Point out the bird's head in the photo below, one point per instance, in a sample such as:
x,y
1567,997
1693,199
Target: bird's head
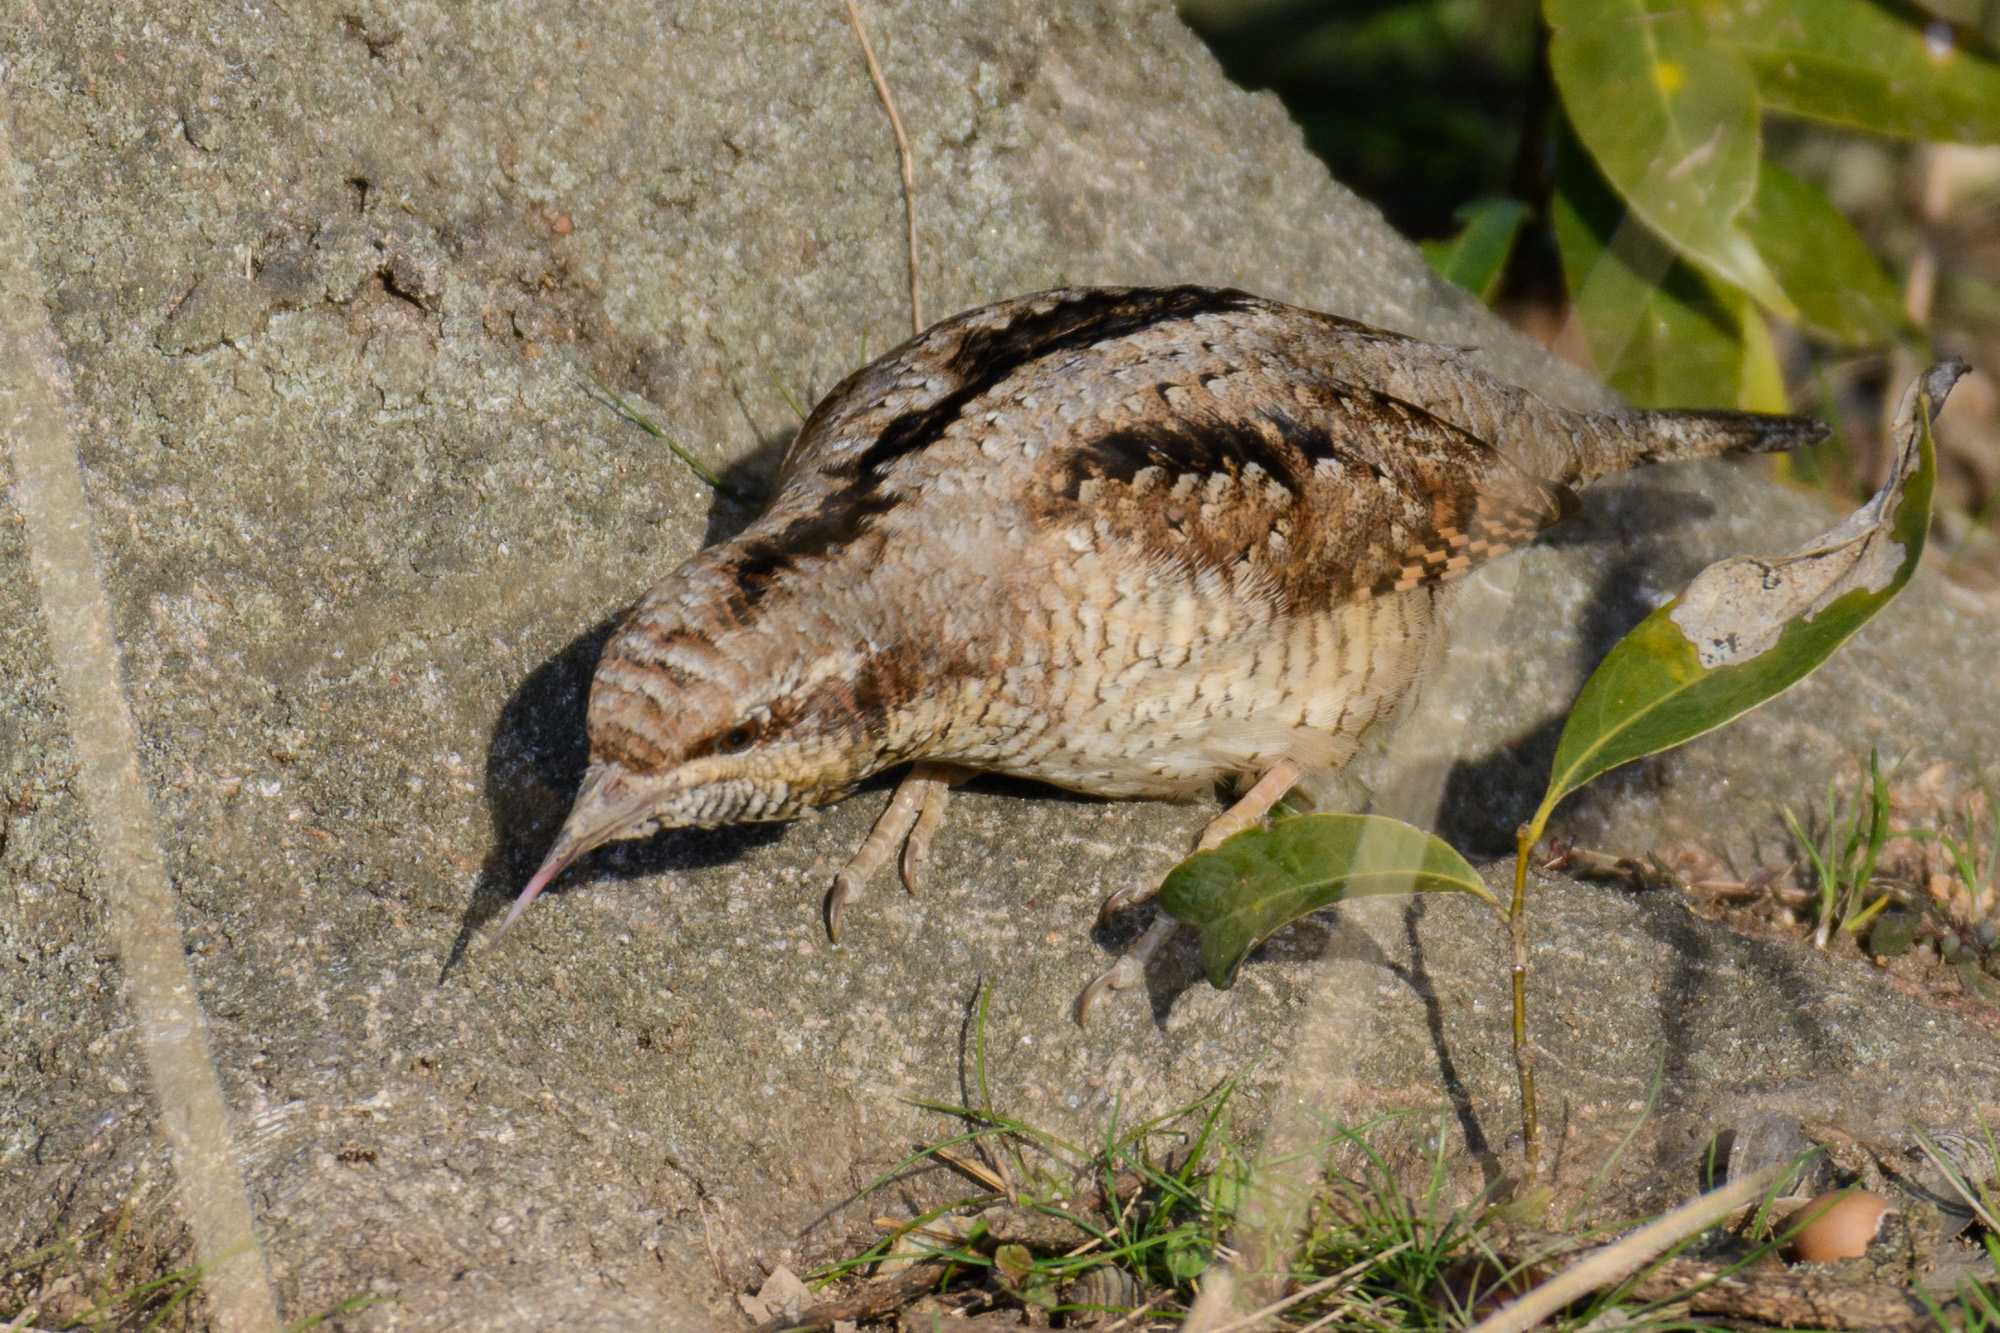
x,y
703,713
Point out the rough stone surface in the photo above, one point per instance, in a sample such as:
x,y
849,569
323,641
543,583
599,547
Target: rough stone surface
x,y
332,288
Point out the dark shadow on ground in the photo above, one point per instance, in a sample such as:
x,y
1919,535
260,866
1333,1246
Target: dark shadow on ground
x,y
747,486
535,761
1689,995
1418,978
539,749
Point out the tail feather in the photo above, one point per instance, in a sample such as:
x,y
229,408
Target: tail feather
x,y
1637,438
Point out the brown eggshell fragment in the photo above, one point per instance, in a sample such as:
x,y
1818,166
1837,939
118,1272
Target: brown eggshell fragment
x,y
1843,1224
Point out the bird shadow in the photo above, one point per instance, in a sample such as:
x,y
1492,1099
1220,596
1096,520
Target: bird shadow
x,y
539,749
1177,966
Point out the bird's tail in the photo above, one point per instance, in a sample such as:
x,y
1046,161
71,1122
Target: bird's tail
x,y
1629,439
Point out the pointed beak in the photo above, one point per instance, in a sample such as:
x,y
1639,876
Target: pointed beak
x,y
606,805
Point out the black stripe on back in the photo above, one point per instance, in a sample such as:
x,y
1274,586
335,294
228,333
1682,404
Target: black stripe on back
x,y
1209,444
839,521
1203,446
989,356
983,360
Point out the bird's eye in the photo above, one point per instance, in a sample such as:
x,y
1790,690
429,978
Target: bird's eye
x,y
736,740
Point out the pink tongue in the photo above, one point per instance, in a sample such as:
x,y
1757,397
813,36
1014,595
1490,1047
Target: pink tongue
x,y
558,859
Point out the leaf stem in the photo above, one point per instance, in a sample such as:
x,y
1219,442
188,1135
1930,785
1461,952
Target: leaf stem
x,y
1524,1055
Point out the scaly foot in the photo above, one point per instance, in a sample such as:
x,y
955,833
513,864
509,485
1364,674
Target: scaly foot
x,y
913,815
1128,971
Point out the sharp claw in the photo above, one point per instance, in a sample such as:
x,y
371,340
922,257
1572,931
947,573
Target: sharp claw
x,y
838,897
1128,971
1121,900
914,857
1121,975
912,816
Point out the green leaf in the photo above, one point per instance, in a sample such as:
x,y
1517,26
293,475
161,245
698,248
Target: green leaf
x,y
1016,1263
1894,932
1476,257
1670,116
1237,894
1747,629
1187,1257
1967,13
1876,65
1657,330
1830,273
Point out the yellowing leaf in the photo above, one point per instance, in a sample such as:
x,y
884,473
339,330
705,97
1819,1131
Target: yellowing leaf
x,y
1761,383
1747,628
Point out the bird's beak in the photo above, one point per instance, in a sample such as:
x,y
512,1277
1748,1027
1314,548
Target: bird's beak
x,y
606,805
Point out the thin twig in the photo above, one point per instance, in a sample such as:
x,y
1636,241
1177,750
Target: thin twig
x,y
1619,1260
902,151
979,1171
1749,1297
1306,1293
1132,1317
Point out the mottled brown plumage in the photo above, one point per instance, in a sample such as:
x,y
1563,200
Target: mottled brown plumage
x,y
1130,542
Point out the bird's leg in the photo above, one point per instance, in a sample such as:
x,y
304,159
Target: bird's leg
x,y
1252,806
941,778
1130,969
913,815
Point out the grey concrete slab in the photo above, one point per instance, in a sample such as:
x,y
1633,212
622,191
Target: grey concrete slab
x,y
332,289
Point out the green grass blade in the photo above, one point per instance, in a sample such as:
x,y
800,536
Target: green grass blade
x,y
1842,292
700,469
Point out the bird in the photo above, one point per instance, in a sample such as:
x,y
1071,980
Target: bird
x,y
1132,542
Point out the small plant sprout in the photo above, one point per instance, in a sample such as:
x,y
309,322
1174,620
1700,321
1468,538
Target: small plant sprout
x,y
1844,855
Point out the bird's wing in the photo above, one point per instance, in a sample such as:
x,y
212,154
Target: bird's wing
x,y
1332,492
908,399
1198,425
